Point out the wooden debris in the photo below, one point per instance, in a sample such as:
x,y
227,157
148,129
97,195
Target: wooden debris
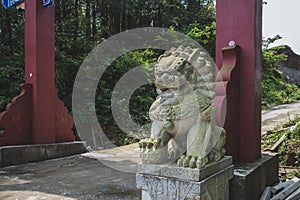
x,y
288,190
274,147
281,186
295,195
287,169
266,194
273,131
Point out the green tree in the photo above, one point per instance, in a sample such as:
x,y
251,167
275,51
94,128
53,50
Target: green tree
x,y
81,25
11,54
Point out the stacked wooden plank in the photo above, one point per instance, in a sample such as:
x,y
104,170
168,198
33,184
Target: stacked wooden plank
x,y
288,190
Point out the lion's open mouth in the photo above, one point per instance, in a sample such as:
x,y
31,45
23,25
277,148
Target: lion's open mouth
x,y
165,88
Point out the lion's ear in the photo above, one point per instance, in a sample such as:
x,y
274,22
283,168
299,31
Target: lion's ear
x,y
193,58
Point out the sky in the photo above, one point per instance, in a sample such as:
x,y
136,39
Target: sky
x,y
283,17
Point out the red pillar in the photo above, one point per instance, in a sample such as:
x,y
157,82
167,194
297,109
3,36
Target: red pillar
x,y
37,116
39,68
241,21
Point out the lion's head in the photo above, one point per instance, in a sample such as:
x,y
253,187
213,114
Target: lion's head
x,y
184,67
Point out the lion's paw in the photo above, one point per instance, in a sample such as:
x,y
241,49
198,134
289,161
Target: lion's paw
x,y
152,151
202,162
192,161
149,144
184,161
180,161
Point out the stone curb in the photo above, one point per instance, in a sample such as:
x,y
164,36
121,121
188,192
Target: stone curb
x,y
21,154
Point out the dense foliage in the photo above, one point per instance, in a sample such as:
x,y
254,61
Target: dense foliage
x,y
11,54
81,25
275,90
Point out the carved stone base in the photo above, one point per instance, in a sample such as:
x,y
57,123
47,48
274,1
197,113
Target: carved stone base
x,y
176,183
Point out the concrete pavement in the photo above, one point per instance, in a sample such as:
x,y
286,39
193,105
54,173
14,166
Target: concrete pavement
x,y
77,177
277,115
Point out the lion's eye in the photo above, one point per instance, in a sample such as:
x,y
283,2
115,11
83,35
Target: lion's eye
x,y
171,78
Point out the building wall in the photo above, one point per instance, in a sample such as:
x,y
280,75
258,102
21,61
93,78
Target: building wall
x,y
291,75
291,67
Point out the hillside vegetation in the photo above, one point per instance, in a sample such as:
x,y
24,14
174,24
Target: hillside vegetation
x,y
275,90
285,138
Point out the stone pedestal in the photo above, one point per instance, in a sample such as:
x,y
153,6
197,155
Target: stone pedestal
x,y
175,183
251,178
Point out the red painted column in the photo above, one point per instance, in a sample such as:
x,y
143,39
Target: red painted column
x,y
39,68
241,21
37,116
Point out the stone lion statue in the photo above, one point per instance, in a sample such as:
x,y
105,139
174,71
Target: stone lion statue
x,y
183,125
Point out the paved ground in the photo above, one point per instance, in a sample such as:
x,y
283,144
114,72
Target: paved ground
x,y
278,115
80,177
98,175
